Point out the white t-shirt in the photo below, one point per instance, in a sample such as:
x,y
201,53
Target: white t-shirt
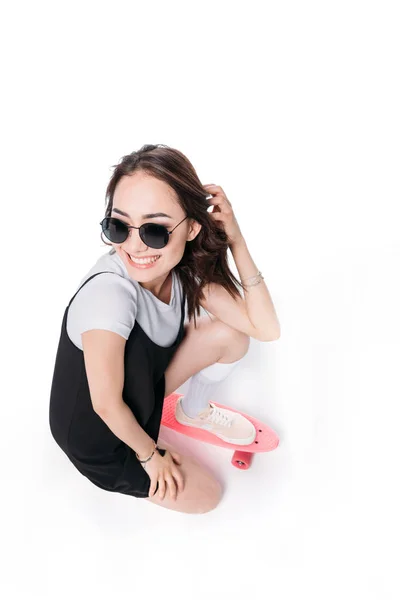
x,y
114,303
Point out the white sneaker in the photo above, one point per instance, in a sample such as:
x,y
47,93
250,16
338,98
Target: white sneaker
x,y
226,424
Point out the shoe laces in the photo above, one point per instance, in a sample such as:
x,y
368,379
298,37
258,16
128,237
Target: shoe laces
x,y
217,416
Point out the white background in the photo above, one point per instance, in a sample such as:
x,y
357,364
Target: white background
x,y
293,108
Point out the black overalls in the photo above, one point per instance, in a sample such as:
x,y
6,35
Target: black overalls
x,y
79,431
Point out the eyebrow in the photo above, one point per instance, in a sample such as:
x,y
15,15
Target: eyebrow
x,y
148,216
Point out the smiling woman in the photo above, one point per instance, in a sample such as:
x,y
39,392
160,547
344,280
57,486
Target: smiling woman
x,y
164,181
124,325
153,234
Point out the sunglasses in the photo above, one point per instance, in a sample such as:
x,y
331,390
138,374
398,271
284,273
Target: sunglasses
x,y
152,234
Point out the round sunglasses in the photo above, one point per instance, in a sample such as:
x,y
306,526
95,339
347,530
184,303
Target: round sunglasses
x,y
152,234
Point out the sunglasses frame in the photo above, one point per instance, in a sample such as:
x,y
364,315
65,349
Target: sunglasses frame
x,y
141,230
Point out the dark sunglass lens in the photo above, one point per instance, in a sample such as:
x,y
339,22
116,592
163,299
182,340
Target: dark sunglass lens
x,y
154,236
114,230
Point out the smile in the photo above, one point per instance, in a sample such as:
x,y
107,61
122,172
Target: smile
x,y
142,262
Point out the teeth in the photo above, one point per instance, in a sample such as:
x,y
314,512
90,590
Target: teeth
x,y
144,261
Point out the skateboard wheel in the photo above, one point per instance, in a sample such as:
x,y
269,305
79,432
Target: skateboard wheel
x,y
242,460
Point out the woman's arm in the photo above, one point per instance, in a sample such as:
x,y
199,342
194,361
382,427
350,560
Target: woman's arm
x,y
260,308
104,362
255,313
122,422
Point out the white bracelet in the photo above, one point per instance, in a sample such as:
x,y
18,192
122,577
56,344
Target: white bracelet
x,y
254,276
259,279
246,285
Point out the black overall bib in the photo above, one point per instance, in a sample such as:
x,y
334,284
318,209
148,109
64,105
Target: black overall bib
x,y
79,431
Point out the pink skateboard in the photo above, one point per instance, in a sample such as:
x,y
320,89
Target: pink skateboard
x,y
265,441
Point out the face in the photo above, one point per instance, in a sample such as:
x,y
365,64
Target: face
x,y
136,196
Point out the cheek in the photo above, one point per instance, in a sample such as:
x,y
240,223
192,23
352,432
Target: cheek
x,y
174,245
172,255
178,250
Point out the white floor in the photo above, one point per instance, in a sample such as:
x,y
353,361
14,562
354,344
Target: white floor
x,y
318,515
292,108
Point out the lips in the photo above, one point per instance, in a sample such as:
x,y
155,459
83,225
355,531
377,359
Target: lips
x,y
142,257
142,265
147,261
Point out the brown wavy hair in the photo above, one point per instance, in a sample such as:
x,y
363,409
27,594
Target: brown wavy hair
x,y
205,257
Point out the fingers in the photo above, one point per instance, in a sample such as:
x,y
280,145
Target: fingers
x,y
177,458
179,479
172,482
171,486
161,487
153,485
169,479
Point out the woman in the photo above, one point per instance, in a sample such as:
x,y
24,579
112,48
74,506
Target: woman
x,y
124,343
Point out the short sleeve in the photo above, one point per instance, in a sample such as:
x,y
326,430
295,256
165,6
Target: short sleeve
x,y
108,301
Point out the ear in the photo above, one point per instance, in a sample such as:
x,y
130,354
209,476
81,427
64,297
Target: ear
x,y
194,230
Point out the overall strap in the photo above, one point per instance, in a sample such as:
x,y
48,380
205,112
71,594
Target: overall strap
x,y
183,307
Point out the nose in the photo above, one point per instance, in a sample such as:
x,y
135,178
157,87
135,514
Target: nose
x,y
134,243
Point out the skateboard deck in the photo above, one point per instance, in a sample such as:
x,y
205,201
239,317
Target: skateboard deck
x,y
266,439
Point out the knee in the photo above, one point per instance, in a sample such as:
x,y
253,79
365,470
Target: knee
x,y
211,497
237,341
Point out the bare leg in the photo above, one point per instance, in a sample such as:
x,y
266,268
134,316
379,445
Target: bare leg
x,y
212,341
201,493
